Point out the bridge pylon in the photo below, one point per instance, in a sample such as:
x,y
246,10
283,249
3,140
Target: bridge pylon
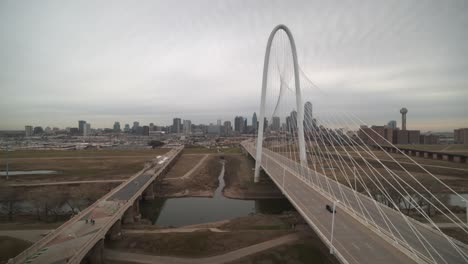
x,y
299,105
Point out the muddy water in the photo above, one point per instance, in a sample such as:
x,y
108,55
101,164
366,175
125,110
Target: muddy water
x,y
194,210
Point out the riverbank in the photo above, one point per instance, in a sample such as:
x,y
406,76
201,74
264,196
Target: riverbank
x,y
239,178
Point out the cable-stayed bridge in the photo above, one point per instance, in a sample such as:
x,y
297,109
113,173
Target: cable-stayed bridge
x,y
324,161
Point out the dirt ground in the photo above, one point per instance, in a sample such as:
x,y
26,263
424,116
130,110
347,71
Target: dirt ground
x,y
202,182
240,232
309,249
184,164
10,247
239,179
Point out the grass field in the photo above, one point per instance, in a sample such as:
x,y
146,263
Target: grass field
x,y
79,165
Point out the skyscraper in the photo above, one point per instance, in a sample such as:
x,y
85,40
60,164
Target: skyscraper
x,y
187,127
116,126
254,121
275,126
135,127
28,131
227,128
294,120
81,125
308,119
86,129
176,125
239,124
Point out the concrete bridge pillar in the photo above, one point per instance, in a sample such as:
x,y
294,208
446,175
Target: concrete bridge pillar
x,y
136,210
434,156
115,231
426,155
96,255
148,194
129,216
445,157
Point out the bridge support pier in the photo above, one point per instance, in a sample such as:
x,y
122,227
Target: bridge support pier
x,y
96,255
133,213
148,194
115,231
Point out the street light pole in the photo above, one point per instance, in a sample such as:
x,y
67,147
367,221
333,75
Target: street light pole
x,y
333,227
6,160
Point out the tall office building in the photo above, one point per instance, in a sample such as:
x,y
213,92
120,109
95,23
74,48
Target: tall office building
x,y
218,122
81,125
308,118
276,123
293,120
28,131
239,124
392,124
87,129
145,130
135,127
127,128
227,128
254,121
176,125
187,127
116,126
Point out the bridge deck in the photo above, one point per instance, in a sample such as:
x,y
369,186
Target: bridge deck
x,y
71,241
355,240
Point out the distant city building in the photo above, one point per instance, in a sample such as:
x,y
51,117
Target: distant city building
x,y
218,122
135,127
460,136
214,130
116,126
376,135
127,128
429,139
74,131
145,131
38,131
87,130
392,124
152,127
239,124
227,127
275,123
293,121
288,126
254,121
265,124
187,127
308,118
28,131
81,125
176,125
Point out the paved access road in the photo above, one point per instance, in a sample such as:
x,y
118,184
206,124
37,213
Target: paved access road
x,y
353,239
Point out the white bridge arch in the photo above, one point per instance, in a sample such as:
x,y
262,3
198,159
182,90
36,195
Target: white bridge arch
x,y
299,105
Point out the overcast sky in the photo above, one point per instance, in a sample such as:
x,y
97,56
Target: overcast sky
x,y
150,61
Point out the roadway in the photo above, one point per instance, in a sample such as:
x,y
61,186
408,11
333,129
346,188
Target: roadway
x,y
356,240
71,241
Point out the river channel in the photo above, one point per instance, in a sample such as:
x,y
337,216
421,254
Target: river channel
x,y
197,210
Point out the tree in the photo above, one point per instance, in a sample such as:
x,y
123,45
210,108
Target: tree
x,y
155,143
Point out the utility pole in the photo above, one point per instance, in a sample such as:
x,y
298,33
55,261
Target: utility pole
x,y
333,227
6,160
